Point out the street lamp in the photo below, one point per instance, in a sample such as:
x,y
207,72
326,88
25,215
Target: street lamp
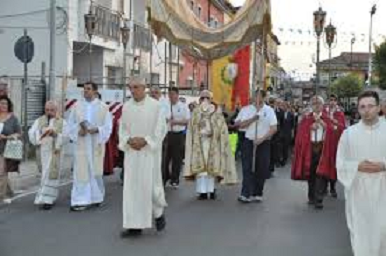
x,y
125,36
90,22
372,12
331,42
352,46
319,21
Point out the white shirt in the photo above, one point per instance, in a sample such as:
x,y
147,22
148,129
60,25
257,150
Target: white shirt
x,y
267,118
165,107
318,135
179,112
245,113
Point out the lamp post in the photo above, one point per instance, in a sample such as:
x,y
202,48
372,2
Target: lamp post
x,y
90,21
352,46
331,42
372,12
125,36
319,21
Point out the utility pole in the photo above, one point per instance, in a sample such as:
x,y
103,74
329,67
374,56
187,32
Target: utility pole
x,y
51,86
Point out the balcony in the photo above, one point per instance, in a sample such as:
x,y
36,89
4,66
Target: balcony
x,y
108,23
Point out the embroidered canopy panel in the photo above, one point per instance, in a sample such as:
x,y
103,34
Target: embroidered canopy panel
x,y
177,23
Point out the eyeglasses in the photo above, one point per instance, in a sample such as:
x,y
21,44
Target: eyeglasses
x,y
364,107
205,98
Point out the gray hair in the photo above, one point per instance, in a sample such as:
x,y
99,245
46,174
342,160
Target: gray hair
x,y
52,103
318,98
139,79
155,88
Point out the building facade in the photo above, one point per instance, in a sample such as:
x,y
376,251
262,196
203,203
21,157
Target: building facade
x,y
196,73
346,63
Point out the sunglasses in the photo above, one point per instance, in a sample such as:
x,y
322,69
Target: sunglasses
x,y
205,98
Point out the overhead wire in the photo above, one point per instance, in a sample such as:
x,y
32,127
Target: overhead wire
x,y
23,14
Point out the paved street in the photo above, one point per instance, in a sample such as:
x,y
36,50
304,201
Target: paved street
x,y
281,225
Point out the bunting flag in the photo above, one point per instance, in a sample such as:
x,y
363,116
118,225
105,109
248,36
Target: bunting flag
x,y
346,34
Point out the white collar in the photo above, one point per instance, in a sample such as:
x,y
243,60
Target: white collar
x,y
372,127
317,115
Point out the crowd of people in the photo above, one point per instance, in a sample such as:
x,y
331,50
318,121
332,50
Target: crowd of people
x,y
162,140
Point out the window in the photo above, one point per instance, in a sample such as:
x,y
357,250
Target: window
x,y
174,55
113,76
189,82
199,9
211,22
192,5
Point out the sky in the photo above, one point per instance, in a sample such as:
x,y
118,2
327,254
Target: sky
x,y
298,48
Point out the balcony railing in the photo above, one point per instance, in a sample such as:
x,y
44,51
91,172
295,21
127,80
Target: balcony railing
x,y
108,23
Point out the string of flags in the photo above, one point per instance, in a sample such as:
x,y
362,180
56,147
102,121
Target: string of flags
x,y
305,37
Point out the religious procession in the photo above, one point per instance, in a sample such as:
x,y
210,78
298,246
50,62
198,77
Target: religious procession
x,y
190,132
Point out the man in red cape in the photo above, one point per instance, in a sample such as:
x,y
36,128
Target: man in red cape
x,y
112,153
313,152
339,124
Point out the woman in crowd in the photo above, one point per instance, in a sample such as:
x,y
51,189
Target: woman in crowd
x,y
9,129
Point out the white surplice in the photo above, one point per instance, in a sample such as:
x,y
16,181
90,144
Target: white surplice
x,y
143,192
88,187
204,182
365,193
48,191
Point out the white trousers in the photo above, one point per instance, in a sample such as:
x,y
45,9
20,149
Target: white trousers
x,y
204,183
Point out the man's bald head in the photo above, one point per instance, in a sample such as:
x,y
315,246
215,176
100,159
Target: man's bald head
x,y
51,109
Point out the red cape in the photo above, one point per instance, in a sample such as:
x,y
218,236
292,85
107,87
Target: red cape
x,y
112,153
301,163
337,133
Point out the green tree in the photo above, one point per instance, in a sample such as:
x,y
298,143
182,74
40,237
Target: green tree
x,y
348,86
380,64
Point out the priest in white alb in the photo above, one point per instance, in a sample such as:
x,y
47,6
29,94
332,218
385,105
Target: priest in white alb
x,y
90,127
142,131
47,135
361,167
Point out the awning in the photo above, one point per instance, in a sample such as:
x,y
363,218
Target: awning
x,y
177,23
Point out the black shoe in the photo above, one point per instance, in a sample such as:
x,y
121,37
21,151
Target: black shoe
x,y
78,208
311,202
46,207
160,223
333,193
97,205
213,196
318,204
202,196
131,233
